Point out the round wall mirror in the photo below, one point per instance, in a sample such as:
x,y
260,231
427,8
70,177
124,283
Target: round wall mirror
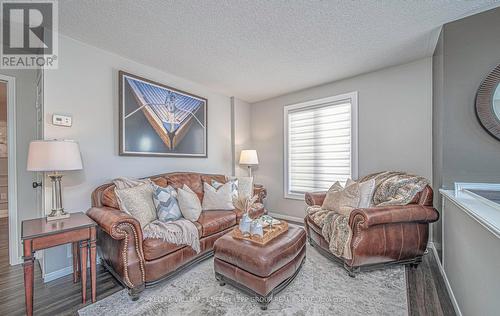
x,y
496,102
488,103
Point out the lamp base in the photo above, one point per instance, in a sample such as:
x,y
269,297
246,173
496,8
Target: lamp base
x,y
57,214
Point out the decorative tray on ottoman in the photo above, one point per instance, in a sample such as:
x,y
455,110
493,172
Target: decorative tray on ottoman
x,y
270,232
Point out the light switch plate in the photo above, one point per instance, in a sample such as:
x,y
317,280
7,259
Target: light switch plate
x,y
62,120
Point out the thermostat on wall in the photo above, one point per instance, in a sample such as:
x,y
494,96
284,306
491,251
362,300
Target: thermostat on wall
x,y
61,120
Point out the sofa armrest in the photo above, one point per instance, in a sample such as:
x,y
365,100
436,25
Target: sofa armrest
x,y
367,217
315,198
124,232
110,219
260,191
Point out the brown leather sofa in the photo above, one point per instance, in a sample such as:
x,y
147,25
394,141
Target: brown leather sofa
x,y
138,262
381,235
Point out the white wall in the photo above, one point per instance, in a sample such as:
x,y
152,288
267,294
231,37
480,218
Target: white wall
x,y
471,257
86,87
395,119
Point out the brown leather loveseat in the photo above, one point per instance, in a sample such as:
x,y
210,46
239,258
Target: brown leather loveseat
x,y
381,235
138,262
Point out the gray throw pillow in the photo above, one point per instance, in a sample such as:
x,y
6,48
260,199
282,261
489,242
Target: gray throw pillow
x,y
165,200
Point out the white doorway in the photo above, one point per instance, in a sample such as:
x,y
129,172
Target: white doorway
x,y
14,255
4,175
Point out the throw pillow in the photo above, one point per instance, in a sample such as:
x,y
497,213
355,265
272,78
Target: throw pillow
x,y
342,201
245,187
366,190
329,198
165,201
138,202
217,199
189,203
349,182
124,182
234,186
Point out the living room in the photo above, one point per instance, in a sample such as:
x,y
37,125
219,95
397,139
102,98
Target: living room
x,y
215,157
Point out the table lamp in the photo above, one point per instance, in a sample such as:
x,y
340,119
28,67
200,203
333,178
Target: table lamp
x,y
54,156
249,158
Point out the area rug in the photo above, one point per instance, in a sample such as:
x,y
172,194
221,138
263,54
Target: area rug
x,y
321,288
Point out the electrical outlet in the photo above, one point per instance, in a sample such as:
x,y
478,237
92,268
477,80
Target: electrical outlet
x,y
3,196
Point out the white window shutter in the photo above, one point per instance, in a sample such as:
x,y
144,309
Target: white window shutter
x,y
319,145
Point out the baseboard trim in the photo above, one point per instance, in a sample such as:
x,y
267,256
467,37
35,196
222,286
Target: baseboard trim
x,y
51,276
287,217
445,278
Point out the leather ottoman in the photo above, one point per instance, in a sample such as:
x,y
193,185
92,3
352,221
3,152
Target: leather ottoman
x,y
261,271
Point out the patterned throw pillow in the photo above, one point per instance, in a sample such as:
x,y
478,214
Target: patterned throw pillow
x,y
138,202
165,200
234,186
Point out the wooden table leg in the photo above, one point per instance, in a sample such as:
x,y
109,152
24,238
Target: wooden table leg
x,y
83,268
93,263
76,261
28,266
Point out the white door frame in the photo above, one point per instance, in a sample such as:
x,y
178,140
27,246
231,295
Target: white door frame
x,y
14,239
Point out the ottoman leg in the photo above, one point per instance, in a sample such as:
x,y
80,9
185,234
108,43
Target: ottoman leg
x,y
265,300
220,278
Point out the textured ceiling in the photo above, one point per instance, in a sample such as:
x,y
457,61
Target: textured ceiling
x,y
258,49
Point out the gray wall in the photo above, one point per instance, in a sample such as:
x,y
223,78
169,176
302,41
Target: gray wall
x,y
86,87
394,121
468,49
242,133
437,136
26,131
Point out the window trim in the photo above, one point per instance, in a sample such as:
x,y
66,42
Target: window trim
x,y
353,98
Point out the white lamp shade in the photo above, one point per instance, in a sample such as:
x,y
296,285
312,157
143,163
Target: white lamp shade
x,y
249,157
54,155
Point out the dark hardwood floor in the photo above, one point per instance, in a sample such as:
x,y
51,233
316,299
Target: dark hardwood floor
x,y
427,293
59,297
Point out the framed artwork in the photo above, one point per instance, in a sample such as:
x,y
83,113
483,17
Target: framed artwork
x,y
158,120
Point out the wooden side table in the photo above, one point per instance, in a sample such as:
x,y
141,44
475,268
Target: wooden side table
x,y
38,234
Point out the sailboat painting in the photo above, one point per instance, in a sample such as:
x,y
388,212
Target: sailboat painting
x,y
157,120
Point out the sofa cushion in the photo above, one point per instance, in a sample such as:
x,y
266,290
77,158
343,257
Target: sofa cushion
x,y
109,197
192,180
155,248
208,178
215,221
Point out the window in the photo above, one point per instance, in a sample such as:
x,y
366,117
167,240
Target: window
x,y
320,144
